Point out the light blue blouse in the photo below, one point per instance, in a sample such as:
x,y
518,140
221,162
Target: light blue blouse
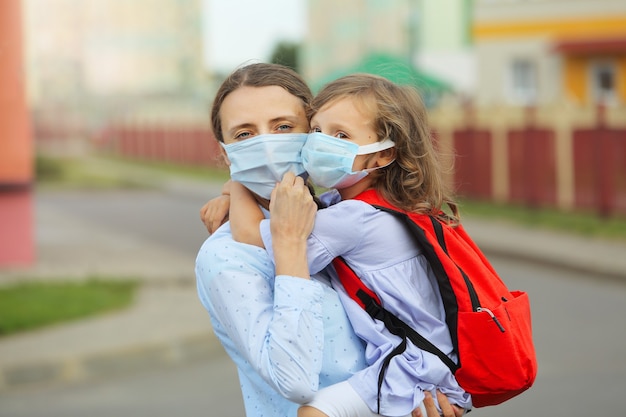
x,y
381,251
288,336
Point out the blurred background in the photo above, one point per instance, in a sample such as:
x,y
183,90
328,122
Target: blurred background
x,y
528,95
111,98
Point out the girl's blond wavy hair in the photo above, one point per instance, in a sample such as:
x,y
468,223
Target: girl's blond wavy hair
x,y
414,181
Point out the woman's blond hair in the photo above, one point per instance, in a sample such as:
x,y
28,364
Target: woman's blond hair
x,y
414,181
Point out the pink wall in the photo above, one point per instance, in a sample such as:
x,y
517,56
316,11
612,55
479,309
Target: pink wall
x,y
16,146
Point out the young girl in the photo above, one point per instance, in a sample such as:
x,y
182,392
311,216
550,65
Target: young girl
x,y
370,134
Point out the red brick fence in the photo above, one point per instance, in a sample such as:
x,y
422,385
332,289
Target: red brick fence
x,y
568,158
571,158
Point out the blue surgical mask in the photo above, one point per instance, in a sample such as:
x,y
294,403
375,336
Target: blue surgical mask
x,y
329,160
259,162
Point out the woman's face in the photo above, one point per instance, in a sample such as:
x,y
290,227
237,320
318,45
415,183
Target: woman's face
x,y
251,111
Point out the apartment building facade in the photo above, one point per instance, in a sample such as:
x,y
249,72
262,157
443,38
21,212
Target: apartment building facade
x,y
547,51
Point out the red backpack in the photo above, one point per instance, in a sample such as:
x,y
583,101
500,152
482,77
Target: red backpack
x,y
490,326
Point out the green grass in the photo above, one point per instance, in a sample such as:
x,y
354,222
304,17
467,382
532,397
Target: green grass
x,y
201,173
79,173
110,173
32,305
576,222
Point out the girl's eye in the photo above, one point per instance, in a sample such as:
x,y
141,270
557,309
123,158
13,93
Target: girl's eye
x,y
341,135
316,130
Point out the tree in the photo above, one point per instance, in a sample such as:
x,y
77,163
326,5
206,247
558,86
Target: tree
x,y
286,53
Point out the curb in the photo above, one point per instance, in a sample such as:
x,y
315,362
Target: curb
x,y
606,272
107,364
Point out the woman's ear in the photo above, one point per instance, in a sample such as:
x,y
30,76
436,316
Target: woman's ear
x,y
224,156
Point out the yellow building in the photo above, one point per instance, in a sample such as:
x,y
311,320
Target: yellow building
x,y
546,51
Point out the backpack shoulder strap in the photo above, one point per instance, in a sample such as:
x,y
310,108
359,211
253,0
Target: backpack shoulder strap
x,y
368,300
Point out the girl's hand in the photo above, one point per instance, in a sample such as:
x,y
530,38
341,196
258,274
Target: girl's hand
x,y
215,212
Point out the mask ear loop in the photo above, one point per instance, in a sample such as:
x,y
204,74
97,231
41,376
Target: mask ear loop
x,y
376,147
382,145
368,170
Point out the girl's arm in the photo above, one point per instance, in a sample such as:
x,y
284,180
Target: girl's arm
x,y
215,212
293,224
245,216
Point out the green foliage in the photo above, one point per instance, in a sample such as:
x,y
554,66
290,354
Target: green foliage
x,y
31,305
286,53
576,222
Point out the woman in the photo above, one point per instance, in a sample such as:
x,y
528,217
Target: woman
x,y
286,332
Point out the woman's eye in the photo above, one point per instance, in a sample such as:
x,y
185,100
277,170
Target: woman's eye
x,y
243,135
341,135
316,130
283,128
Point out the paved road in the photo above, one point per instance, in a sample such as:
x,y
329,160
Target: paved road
x,y
152,235
169,219
201,389
578,325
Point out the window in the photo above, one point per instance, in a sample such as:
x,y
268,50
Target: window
x,y
603,82
523,81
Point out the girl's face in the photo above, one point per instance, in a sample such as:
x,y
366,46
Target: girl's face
x,y
352,120
347,118
251,111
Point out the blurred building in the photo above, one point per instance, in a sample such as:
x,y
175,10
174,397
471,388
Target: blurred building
x,y
434,36
112,56
546,51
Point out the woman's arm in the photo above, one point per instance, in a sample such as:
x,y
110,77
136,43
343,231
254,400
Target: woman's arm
x,y
273,324
269,325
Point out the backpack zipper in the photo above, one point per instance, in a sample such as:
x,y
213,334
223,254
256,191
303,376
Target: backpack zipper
x,y
493,316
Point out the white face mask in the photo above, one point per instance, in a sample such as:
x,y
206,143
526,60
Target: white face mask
x,y
329,160
259,162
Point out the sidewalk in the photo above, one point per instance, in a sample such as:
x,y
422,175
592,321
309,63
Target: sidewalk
x,y
167,324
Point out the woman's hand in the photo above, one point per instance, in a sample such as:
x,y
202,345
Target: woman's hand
x,y
448,410
292,216
292,209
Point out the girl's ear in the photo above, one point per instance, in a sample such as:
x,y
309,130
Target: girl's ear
x,y
384,158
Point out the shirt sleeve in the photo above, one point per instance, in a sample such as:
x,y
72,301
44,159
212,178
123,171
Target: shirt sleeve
x,y
336,232
274,323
